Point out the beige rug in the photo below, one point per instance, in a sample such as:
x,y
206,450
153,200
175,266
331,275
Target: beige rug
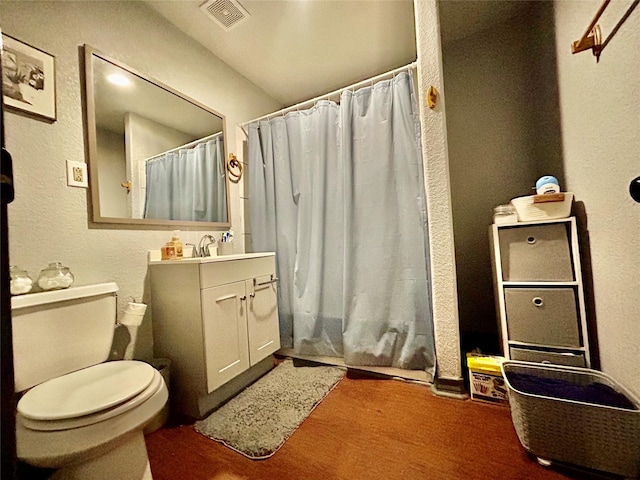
x,y
258,420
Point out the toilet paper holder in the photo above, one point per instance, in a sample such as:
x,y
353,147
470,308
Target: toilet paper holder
x,y
133,314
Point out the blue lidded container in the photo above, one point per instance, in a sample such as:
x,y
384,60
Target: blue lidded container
x,y
547,184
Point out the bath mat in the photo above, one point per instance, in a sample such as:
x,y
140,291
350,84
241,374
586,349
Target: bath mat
x,y
258,420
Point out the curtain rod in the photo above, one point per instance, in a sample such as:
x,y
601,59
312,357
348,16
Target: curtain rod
x,y
329,95
186,145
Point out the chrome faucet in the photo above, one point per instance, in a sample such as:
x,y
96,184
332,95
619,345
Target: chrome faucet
x,y
203,245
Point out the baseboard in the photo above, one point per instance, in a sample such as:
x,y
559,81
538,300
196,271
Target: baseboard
x,y
449,387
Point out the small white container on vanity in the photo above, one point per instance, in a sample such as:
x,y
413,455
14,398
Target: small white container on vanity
x,y
216,319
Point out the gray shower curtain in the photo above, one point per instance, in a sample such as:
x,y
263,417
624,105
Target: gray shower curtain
x,y
337,192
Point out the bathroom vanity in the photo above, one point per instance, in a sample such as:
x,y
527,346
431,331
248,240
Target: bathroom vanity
x,y
216,319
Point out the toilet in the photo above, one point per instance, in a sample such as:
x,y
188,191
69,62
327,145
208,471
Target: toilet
x,y
78,413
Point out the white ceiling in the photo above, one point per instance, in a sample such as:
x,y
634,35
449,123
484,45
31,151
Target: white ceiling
x,y
300,49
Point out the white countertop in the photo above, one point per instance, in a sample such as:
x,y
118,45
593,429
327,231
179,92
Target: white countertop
x,y
154,258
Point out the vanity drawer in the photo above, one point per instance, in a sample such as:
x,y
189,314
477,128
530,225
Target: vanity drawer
x,y
221,272
542,316
535,253
541,356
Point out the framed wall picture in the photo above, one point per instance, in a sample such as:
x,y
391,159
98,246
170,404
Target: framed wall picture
x,y
28,79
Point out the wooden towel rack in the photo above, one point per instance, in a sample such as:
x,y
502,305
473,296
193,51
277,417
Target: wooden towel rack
x,y
592,37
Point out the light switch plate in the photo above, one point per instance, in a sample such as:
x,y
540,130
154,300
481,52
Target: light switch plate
x,y
77,174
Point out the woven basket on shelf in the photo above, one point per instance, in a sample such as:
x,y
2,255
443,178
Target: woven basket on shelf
x,y
588,435
528,211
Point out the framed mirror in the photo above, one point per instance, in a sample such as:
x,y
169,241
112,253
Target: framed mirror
x,y
156,156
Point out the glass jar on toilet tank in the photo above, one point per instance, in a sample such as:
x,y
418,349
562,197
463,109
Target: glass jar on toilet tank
x,y
21,282
55,277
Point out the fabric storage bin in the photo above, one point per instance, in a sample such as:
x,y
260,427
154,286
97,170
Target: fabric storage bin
x,y
583,417
544,356
542,316
535,253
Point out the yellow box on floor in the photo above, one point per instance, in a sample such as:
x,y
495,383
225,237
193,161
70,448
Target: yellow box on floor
x,y
485,379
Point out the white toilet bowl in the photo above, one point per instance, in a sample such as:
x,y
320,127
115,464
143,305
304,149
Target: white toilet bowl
x,y
86,424
104,444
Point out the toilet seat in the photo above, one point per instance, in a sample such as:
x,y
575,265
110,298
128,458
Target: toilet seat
x,y
88,396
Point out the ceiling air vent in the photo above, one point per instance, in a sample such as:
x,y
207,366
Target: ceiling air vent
x,y
226,13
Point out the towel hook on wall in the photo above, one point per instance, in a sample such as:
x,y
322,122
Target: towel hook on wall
x,y
234,167
432,97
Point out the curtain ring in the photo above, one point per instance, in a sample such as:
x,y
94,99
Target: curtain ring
x,y
234,167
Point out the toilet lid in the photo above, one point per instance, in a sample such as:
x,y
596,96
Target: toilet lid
x,y
70,423
86,391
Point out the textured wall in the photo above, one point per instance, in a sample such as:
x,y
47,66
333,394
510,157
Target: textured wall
x,y
49,221
435,157
600,111
146,138
503,134
112,171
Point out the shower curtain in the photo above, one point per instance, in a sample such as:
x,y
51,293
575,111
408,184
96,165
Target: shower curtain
x,y
337,192
188,184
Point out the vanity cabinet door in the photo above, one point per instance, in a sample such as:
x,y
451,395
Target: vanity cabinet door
x,y
225,333
262,317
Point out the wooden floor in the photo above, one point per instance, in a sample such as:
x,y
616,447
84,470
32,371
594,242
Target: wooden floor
x,y
368,428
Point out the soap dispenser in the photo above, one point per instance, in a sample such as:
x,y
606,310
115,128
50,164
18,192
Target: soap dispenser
x,y
177,243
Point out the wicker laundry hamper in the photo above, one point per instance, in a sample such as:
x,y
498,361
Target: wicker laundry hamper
x,y
599,437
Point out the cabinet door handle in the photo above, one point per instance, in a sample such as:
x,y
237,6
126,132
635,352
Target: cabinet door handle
x,y
226,297
268,282
243,297
252,294
537,301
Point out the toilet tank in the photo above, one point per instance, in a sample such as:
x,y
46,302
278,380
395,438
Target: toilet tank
x,y
61,331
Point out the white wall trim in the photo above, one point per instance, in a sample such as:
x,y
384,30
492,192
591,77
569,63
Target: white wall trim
x,y
438,191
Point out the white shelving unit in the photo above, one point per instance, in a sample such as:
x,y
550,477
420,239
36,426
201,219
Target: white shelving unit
x,y
539,292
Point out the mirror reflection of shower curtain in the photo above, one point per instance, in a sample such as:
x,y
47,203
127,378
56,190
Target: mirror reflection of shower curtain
x,y
337,192
188,184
